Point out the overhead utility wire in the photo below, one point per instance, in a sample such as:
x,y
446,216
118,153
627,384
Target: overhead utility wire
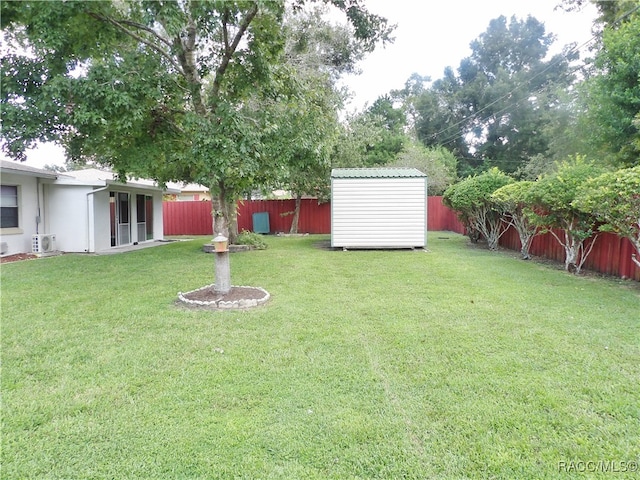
x,y
577,48
457,134
508,94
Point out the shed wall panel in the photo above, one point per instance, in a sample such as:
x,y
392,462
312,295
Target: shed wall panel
x,y
378,212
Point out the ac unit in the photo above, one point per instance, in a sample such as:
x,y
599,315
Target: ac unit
x,y
42,243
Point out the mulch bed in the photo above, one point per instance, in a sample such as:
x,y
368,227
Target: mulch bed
x,y
17,257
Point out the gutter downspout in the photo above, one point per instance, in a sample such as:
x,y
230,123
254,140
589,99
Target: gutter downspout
x,y
92,192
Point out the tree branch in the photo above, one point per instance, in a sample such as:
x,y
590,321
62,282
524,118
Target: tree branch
x,y
225,30
134,35
150,30
229,51
186,52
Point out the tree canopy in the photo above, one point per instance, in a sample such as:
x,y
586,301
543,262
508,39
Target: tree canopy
x,y
164,89
493,110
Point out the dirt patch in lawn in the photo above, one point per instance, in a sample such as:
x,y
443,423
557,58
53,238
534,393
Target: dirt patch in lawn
x,y
237,297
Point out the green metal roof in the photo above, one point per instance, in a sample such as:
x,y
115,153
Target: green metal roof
x,y
388,172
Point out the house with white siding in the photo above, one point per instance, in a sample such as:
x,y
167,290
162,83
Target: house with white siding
x,y
80,211
378,208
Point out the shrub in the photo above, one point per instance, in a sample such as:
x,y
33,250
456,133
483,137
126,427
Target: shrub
x,y
550,200
614,198
251,238
471,198
511,200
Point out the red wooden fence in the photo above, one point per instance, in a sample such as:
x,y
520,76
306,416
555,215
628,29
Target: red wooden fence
x,y
314,217
610,255
194,218
187,218
442,218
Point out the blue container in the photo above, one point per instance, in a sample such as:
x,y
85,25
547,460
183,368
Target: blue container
x,y
261,222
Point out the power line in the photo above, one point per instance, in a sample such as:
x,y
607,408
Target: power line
x,y
508,107
511,92
460,132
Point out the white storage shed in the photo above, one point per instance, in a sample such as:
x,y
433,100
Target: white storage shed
x,y
378,208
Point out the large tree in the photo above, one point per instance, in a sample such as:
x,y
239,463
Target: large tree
x,y
493,110
611,95
438,163
164,89
317,53
357,135
392,136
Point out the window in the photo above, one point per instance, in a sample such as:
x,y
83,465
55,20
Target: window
x,y
9,206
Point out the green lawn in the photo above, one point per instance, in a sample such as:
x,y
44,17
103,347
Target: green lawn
x,y
452,363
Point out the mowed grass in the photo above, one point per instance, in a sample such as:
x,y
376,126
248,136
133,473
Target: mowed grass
x,y
452,363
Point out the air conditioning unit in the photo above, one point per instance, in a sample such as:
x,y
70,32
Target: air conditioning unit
x,y
42,243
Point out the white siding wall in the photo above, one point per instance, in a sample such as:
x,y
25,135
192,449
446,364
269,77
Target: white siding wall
x,y
67,211
19,239
67,216
378,212
101,221
158,221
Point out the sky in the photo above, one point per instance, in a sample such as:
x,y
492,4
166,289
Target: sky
x,y
430,35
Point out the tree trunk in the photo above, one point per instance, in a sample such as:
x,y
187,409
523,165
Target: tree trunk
x,y
576,250
219,210
525,243
222,273
526,232
493,234
232,219
571,259
296,216
224,212
636,243
490,224
473,234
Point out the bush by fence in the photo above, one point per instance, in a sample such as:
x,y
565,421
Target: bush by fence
x,y
611,254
